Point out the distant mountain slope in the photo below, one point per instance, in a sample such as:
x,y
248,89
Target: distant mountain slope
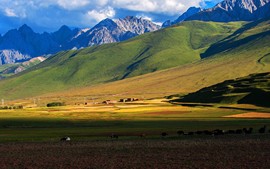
x,y
150,52
12,56
235,10
239,61
22,44
250,32
117,30
19,45
252,89
191,11
14,68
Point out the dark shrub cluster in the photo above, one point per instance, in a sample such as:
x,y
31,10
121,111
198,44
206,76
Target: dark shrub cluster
x,y
54,104
172,96
11,107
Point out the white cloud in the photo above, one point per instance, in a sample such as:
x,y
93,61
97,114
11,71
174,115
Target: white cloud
x,y
170,7
99,15
73,4
102,2
10,12
149,18
51,14
158,23
144,17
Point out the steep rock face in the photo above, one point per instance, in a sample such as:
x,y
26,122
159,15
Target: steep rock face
x,y
12,56
234,10
109,31
64,35
21,44
14,68
191,11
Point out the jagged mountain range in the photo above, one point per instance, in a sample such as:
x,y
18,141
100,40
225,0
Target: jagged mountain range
x,y
232,50
22,44
191,11
11,69
235,10
109,31
227,11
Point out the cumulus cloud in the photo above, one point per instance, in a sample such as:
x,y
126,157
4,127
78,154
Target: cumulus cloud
x,y
144,17
99,15
155,6
170,7
10,12
72,4
86,13
148,18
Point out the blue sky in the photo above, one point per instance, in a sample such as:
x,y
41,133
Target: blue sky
x,y
50,15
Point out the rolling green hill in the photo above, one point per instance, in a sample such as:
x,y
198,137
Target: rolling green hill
x,y
252,89
167,48
11,69
248,58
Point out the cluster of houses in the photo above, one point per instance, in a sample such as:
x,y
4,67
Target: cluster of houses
x,y
124,100
128,100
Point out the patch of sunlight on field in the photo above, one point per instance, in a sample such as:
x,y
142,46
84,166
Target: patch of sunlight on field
x,y
150,110
250,115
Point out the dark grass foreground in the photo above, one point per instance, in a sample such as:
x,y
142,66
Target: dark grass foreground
x,y
211,152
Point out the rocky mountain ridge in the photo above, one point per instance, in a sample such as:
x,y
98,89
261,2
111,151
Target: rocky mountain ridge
x,y
191,11
22,44
235,10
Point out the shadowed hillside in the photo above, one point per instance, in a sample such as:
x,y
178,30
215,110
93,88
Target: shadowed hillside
x,y
248,33
148,53
248,58
11,69
253,89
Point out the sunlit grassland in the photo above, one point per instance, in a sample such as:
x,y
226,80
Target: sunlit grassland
x,y
99,121
166,48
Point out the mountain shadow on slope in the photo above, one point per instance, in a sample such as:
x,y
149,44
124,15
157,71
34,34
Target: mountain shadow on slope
x,y
233,41
253,89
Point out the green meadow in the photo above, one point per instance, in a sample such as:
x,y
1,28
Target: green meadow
x,y
126,120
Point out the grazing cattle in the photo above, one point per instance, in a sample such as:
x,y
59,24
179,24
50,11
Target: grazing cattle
x,y
142,135
238,131
206,132
180,132
114,136
217,132
199,132
231,132
190,133
262,130
247,131
225,131
250,130
65,139
164,134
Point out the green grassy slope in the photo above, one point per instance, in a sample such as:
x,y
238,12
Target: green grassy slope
x,y
240,61
10,69
148,53
245,36
253,89
3,68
